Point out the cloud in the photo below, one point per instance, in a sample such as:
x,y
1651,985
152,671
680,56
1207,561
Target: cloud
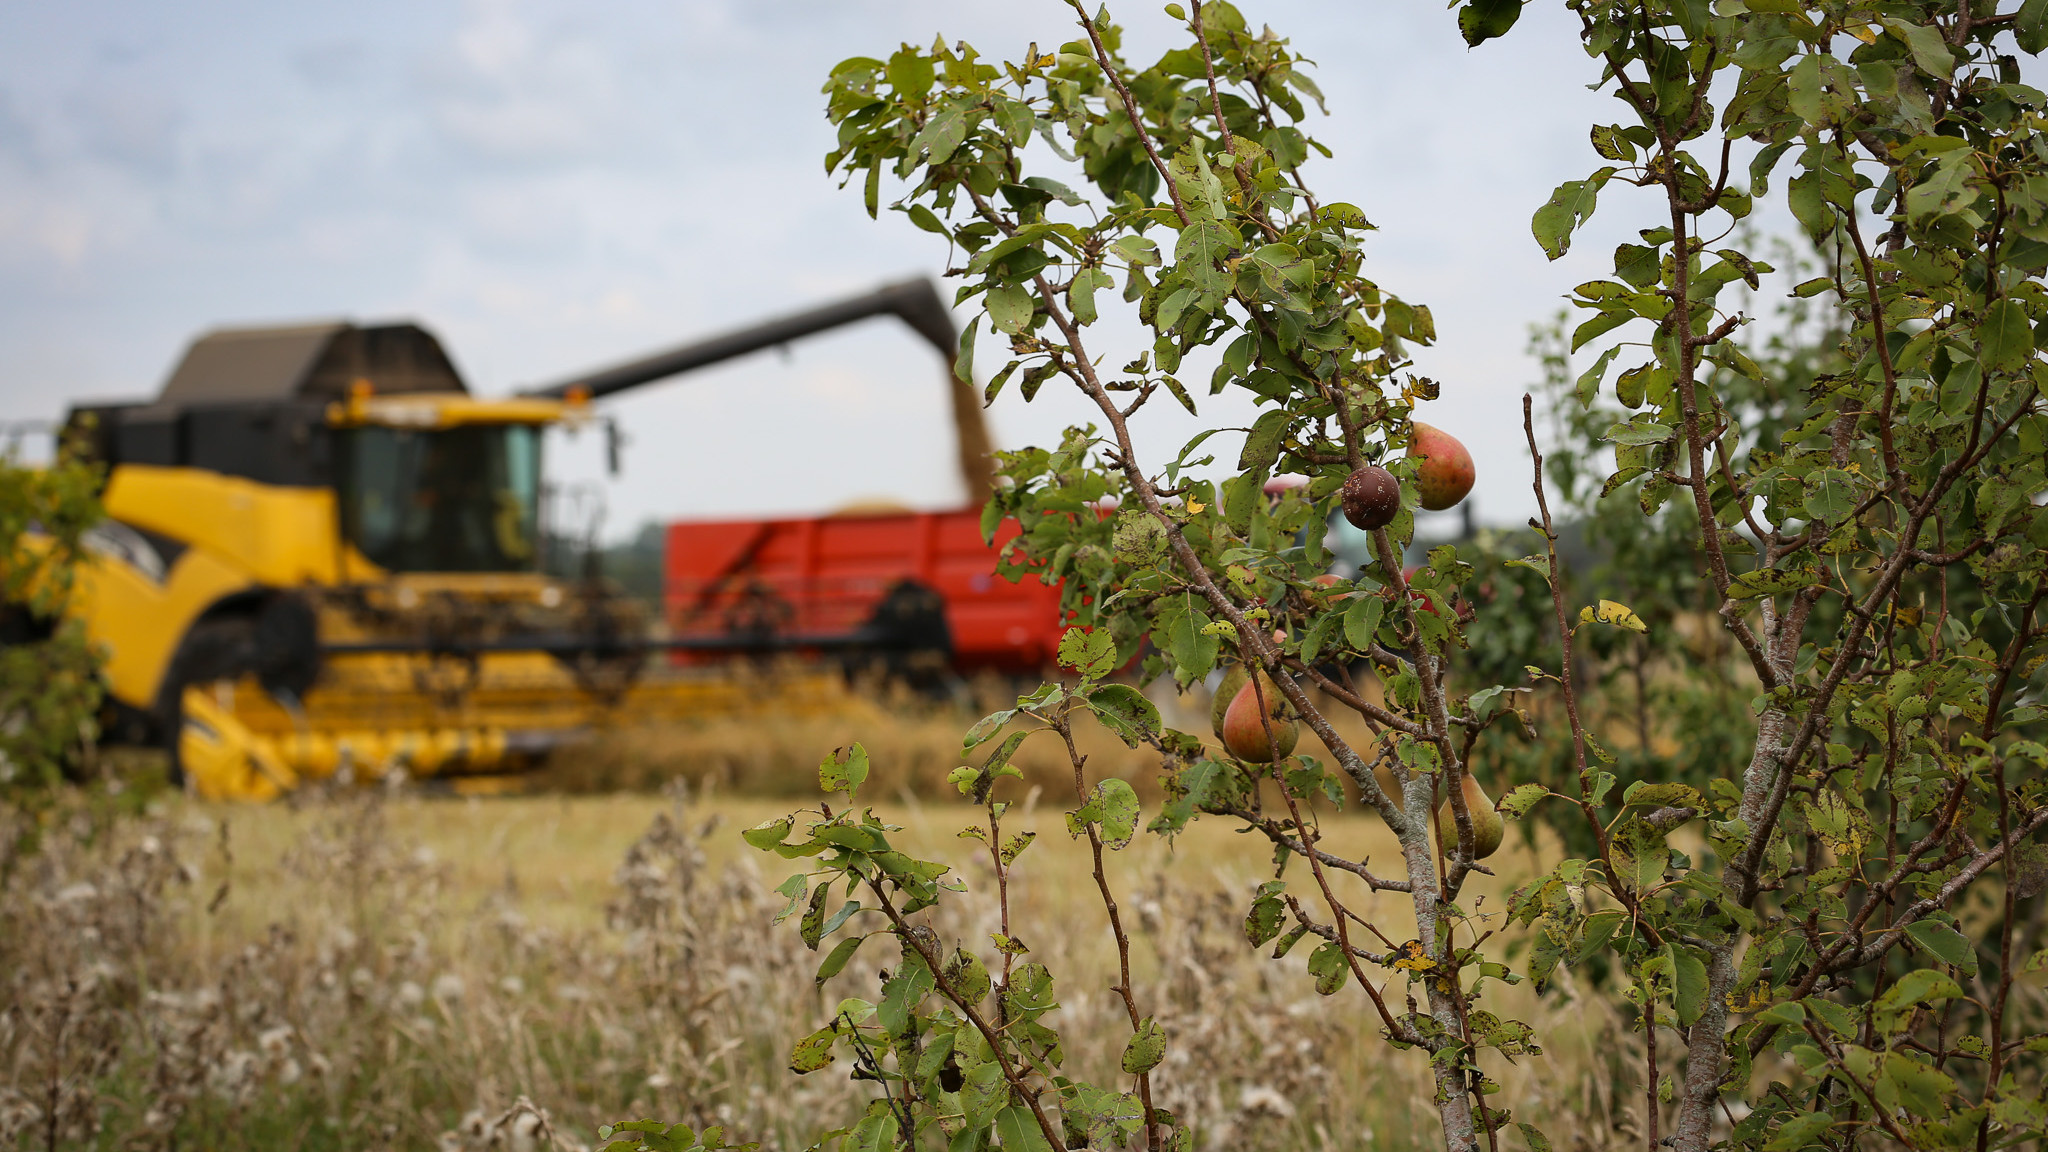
x,y
507,90
332,64
130,127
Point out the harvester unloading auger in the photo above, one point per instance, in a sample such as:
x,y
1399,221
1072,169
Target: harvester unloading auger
x,y
322,556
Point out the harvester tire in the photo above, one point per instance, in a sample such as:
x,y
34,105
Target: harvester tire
x,y
219,648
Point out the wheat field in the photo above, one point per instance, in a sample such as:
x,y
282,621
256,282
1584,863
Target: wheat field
x,y
387,969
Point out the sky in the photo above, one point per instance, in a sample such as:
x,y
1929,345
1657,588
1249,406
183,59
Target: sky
x,y
552,186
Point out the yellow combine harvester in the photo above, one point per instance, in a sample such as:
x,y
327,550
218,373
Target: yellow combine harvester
x,y
322,557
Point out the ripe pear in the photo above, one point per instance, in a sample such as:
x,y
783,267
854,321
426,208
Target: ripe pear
x,y
1487,825
1446,474
1225,692
1258,739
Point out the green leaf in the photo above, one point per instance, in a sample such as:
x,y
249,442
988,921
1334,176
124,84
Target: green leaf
x,y
1944,943
1689,983
1362,622
1589,381
1567,208
1930,50
1787,1015
1767,582
1089,652
1842,1018
1533,1137
1640,431
843,769
1017,1129
985,729
2006,337
1116,805
1010,307
963,363
1146,1048
1262,443
1612,145
967,976
1351,215
814,1051
812,927
1518,802
1125,711
1920,986
2031,27
1599,326
943,134
1327,965
1799,1132
902,993
1831,494
1136,249
1919,1087
1483,20
1599,928
910,73
1552,937
1193,649
1205,242
768,833
835,960
1266,917
1081,294
984,1093
1638,265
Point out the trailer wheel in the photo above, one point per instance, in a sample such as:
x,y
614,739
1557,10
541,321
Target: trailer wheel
x,y
914,643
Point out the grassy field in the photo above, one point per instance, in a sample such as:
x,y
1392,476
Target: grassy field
x,y
362,970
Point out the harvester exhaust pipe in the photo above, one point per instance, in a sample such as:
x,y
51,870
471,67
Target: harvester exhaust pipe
x,y
915,302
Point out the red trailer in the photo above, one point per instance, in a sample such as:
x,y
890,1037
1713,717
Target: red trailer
x,y
904,586
886,583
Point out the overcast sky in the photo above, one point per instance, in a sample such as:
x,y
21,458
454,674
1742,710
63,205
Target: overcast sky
x,y
552,185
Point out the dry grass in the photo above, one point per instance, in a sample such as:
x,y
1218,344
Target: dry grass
x,y
914,742
362,971
390,970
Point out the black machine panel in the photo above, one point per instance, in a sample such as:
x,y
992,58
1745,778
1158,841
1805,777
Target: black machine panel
x,y
252,402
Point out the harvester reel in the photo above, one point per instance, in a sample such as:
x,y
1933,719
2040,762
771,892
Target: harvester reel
x,y
611,661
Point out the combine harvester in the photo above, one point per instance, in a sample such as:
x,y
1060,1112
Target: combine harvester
x,y
322,558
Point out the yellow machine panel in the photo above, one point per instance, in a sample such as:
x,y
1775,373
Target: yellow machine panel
x,y
279,536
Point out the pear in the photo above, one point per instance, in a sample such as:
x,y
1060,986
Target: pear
x,y
1257,739
1446,474
1225,692
1371,497
1487,825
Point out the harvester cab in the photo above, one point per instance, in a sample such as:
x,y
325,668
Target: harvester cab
x,y
322,556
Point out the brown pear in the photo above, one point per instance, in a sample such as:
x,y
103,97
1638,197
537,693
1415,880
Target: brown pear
x,y
1225,692
1371,497
1487,825
1256,738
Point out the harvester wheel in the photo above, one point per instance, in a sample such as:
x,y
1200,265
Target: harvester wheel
x,y
220,648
